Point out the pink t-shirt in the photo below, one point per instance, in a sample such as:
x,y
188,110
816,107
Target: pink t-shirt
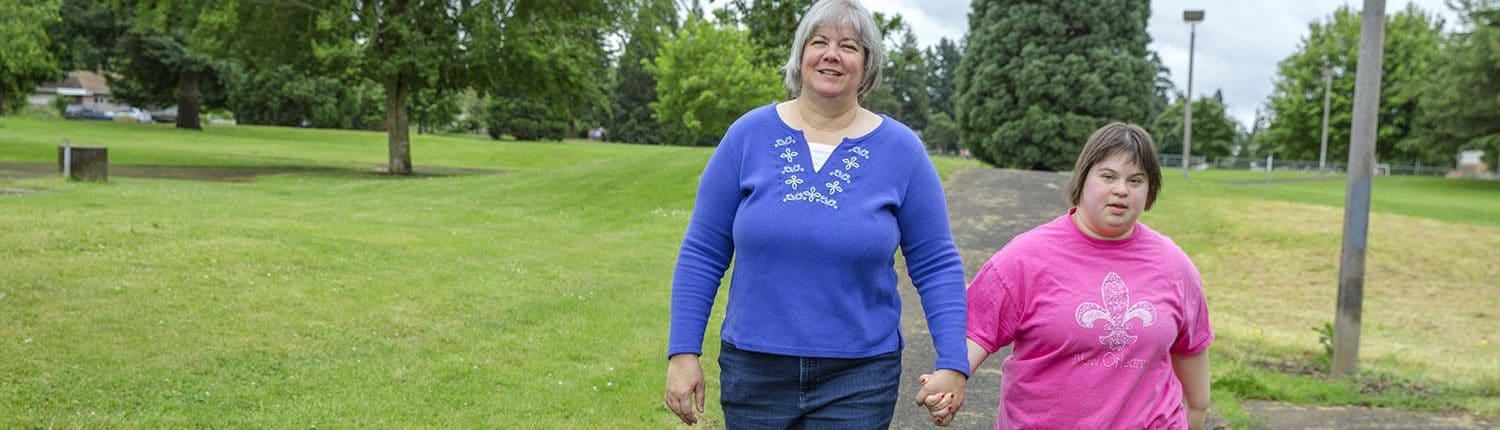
x,y
1094,324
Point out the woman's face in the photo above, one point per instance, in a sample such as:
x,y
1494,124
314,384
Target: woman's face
x,y
833,62
1113,198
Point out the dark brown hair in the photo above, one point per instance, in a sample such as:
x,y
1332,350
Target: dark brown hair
x,y
1117,138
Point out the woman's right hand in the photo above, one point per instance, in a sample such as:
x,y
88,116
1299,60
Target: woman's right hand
x,y
685,387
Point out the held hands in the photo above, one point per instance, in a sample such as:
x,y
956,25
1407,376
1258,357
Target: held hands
x,y
685,387
943,394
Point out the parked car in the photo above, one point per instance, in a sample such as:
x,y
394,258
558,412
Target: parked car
x,y
85,112
130,114
165,115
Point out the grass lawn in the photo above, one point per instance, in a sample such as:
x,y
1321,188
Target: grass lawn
x,y
1270,255
534,295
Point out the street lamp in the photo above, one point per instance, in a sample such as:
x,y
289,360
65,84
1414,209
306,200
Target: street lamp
x,y
1323,151
1192,17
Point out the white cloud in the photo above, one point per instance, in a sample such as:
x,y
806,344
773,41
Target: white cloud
x,y
1239,43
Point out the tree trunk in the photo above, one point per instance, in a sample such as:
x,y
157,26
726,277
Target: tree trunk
x,y
2,100
187,100
396,119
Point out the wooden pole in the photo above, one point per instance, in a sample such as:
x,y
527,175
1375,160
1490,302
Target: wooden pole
x,y
1357,204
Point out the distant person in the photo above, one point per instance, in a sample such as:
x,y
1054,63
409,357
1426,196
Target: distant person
x,y
1107,316
810,199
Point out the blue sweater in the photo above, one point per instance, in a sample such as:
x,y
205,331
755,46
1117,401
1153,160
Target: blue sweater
x,y
814,252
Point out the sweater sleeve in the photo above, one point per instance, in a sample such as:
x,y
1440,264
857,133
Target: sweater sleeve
x,y
707,248
932,261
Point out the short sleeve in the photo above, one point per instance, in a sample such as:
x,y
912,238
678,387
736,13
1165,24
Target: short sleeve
x,y
992,308
1195,334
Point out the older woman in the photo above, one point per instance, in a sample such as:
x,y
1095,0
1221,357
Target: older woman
x,y
810,198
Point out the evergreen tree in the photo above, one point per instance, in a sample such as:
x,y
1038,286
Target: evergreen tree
x,y
169,54
902,93
647,26
1412,39
942,75
1461,102
1039,76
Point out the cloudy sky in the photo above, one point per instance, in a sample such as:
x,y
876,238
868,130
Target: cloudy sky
x,y
1239,42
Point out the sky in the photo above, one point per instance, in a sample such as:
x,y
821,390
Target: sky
x,y
1239,43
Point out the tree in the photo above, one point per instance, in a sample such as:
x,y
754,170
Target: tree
x,y
169,53
1038,77
85,36
902,92
1162,97
1461,103
24,57
1296,104
1214,133
941,133
772,25
635,89
546,52
942,75
706,76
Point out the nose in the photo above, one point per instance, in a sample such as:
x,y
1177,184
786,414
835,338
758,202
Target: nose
x,y
1120,189
829,54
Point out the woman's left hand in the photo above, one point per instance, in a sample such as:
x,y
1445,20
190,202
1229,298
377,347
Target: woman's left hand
x,y
943,394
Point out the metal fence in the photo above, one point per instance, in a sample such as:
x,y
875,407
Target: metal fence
x,y
1198,162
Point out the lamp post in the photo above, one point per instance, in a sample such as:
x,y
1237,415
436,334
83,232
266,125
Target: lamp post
x,y
1192,17
1323,150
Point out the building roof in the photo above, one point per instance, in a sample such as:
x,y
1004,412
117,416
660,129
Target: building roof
x,y
78,83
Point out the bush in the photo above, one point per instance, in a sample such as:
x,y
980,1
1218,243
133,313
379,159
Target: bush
x,y
525,118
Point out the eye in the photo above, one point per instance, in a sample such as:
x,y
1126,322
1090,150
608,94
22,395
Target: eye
x,y
850,47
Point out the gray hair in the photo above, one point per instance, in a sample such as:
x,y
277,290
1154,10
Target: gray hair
x,y
843,13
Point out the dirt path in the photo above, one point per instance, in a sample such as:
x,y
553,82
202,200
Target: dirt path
x,y
987,207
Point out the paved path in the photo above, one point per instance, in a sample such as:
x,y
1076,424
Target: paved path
x,y
987,208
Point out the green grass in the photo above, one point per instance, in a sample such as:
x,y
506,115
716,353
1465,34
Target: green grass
x,y
1270,254
535,296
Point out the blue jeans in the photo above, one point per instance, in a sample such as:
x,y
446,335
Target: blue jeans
x,y
768,391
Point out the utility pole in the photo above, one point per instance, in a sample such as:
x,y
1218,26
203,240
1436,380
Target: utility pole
x,y
1323,150
1357,204
1192,17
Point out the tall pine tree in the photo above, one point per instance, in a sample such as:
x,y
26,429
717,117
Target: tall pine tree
x,y
942,75
1039,76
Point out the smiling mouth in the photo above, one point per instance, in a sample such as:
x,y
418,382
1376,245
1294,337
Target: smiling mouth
x,y
826,72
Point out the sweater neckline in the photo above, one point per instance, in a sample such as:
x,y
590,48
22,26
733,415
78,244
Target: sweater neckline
x,y
879,128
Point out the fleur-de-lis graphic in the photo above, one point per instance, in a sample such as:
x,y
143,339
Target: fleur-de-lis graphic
x,y
861,151
850,163
1116,312
787,154
841,175
794,181
834,187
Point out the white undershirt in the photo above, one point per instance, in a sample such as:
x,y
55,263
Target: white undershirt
x,y
819,153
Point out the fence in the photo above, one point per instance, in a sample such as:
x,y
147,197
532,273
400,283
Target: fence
x,y
1198,162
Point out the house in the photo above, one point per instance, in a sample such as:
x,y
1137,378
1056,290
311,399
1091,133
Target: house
x,y
91,89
